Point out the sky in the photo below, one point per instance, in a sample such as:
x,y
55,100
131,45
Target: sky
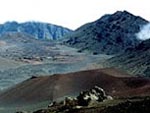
x,y
68,13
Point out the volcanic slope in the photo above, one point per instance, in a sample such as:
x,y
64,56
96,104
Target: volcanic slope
x,y
110,34
134,60
56,87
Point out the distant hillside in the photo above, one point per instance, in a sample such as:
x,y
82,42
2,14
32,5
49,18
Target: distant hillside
x,y
135,60
50,88
36,29
21,45
22,56
110,34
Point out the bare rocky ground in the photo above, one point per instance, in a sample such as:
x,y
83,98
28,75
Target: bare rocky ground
x,y
22,57
126,105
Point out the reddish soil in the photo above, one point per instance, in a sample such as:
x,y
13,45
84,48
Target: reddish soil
x,y
38,89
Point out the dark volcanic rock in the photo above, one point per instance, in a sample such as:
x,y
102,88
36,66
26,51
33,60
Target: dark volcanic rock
x,y
36,29
110,34
21,112
130,107
134,60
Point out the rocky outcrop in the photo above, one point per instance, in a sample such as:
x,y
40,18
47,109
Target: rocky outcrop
x,y
95,94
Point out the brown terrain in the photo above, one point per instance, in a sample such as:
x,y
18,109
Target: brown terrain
x,y
55,87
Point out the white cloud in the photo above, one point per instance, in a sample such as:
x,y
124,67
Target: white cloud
x,y
69,13
144,34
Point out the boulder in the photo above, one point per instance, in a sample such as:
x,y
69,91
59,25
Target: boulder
x,y
94,94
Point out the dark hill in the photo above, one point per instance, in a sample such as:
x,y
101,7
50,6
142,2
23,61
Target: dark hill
x,y
110,34
38,89
134,60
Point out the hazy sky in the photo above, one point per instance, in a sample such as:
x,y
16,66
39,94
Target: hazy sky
x,y
68,13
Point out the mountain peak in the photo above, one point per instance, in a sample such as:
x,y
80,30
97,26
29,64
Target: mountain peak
x,y
11,22
110,34
121,16
123,13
